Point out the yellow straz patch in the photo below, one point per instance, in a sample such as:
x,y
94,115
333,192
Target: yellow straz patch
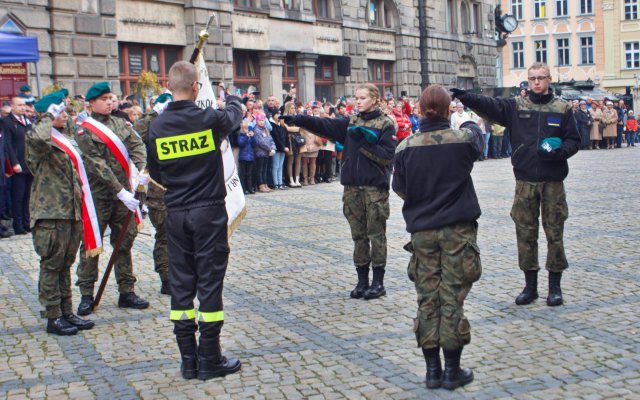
x,y
187,145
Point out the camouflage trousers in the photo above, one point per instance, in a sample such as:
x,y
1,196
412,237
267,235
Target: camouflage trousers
x,y
111,213
444,264
367,210
56,241
530,197
158,216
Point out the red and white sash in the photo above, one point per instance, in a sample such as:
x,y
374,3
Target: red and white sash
x,y
92,238
116,146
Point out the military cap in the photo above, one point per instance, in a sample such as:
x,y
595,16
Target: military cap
x,y
25,88
163,98
97,90
65,92
54,98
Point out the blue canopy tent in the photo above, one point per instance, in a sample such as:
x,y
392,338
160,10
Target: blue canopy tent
x,y
17,48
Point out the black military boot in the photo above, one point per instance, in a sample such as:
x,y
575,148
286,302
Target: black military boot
x,y
164,288
188,351
530,292
555,292
363,282
454,376
81,324
86,305
434,367
131,300
212,363
60,326
377,287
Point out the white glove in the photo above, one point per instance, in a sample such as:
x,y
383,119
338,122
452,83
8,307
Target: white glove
x,y
272,152
160,107
126,197
143,179
56,109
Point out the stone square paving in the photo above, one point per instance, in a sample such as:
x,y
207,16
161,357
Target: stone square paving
x,y
291,322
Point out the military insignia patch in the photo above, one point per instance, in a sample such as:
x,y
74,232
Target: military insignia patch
x,y
553,121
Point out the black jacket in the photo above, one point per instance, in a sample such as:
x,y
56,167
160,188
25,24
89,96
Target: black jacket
x,y
432,174
280,137
530,120
363,164
15,133
583,118
184,152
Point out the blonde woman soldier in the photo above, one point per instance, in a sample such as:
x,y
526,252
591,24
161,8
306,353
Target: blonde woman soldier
x,y
369,144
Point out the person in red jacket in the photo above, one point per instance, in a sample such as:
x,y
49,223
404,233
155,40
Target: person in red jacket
x,y
402,118
632,129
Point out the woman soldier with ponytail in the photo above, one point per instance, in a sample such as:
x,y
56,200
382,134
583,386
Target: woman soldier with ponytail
x,y
369,144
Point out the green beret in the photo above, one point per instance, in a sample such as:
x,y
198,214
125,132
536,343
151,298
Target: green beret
x,y
25,88
163,98
54,98
97,90
65,92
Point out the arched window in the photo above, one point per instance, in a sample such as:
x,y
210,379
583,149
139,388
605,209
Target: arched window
x,y
380,14
451,16
464,18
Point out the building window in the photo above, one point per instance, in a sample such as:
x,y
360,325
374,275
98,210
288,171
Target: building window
x,y
477,18
288,4
517,54
632,55
322,8
586,6
243,3
541,50
380,14
246,69
464,18
539,8
324,78
562,7
516,9
289,71
563,52
630,9
586,49
135,58
451,16
381,75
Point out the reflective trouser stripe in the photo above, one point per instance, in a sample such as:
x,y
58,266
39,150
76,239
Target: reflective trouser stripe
x,y
215,316
179,315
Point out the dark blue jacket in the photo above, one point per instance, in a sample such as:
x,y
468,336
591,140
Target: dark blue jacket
x,y
245,144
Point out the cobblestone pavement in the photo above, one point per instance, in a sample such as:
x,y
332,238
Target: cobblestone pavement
x,y
291,322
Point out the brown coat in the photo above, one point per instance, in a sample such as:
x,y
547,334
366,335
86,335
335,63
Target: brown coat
x,y
610,117
596,114
312,142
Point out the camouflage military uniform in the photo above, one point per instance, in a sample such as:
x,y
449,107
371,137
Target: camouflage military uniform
x,y
107,178
444,264
157,209
56,210
367,210
525,212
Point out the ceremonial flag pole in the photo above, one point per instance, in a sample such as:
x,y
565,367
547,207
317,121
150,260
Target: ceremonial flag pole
x,y
235,201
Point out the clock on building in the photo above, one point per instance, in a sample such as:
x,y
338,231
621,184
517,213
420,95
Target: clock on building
x,y
510,23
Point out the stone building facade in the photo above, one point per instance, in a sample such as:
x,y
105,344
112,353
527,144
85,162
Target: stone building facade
x,y
323,47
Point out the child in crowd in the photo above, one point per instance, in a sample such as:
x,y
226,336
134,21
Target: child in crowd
x,y
632,129
246,158
264,147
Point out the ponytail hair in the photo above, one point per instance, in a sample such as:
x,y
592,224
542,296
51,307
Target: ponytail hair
x,y
435,102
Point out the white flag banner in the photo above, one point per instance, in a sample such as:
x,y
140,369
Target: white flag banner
x,y
235,201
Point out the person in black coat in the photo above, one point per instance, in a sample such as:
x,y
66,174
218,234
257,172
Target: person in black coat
x,y
15,126
5,164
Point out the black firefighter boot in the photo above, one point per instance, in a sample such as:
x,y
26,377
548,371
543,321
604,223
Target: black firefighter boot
x,y
530,292
434,367
188,351
555,292
363,282
454,376
377,287
212,363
